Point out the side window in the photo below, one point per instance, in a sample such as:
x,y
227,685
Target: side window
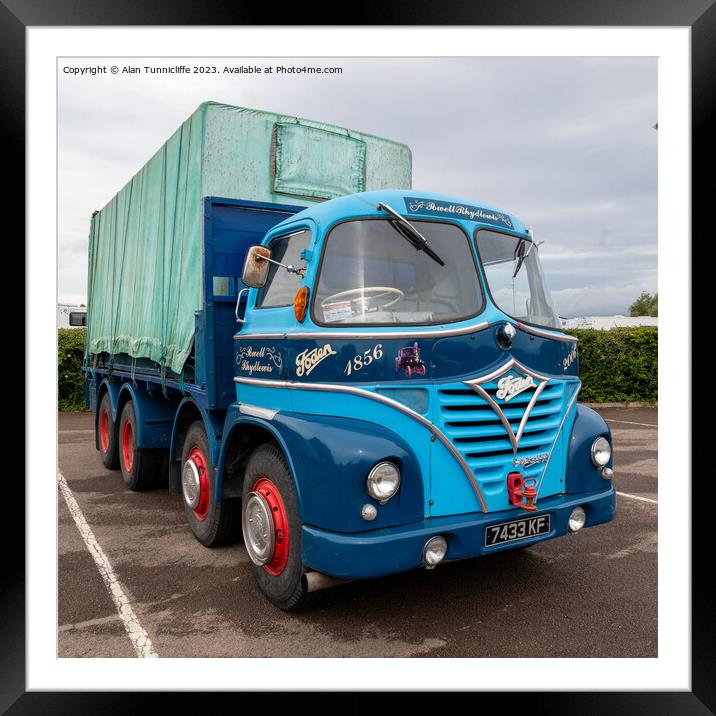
x,y
281,285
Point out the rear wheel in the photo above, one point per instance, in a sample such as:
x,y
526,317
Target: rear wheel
x,y
141,467
272,529
107,434
212,522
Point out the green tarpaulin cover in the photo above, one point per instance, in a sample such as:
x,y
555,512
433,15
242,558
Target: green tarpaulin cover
x,y
145,245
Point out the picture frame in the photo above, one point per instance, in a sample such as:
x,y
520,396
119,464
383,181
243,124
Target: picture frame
x,y
16,16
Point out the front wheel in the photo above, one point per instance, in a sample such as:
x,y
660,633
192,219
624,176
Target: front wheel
x,y
272,529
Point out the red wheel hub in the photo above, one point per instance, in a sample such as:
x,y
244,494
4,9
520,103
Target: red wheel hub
x,y
104,431
202,509
128,445
271,494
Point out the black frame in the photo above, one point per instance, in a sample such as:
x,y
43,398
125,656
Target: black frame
x,y
699,15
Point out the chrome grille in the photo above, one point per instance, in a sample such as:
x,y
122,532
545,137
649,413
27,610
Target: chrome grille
x,y
474,428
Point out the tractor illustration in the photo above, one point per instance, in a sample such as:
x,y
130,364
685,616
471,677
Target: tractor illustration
x,y
408,360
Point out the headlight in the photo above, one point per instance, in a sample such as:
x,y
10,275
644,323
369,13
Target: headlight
x,y
383,481
601,452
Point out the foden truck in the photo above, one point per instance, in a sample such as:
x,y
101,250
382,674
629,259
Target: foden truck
x,y
359,377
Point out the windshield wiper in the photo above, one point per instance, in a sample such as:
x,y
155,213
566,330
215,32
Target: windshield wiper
x,y
521,255
410,233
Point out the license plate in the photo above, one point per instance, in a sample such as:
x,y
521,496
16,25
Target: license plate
x,y
516,530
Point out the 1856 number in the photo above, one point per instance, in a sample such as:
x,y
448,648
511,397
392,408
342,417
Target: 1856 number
x,y
357,363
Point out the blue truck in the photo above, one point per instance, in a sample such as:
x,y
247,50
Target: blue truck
x,y
358,377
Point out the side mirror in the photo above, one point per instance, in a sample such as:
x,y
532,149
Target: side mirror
x,y
256,267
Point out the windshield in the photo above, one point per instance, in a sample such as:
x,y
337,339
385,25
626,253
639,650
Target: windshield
x,y
371,275
515,279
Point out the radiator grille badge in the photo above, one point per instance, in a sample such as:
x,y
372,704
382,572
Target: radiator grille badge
x,y
512,378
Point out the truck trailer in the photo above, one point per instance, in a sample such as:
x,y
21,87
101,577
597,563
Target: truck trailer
x,y
358,377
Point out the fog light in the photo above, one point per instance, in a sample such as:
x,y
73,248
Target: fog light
x,y
607,473
434,551
383,481
576,519
601,452
368,512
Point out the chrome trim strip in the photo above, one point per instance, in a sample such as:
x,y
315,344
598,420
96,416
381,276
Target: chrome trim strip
x,y
331,388
257,412
559,431
546,334
259,336
333,335
476,385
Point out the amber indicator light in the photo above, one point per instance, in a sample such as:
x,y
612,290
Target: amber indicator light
x,y
300,303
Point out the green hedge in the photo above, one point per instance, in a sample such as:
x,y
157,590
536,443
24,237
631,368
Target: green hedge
x,y
70,379
618,365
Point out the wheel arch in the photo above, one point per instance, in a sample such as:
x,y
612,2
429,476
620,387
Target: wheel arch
x,y
154,414
330,459
243,435
187,412
582,475
126,393
106,386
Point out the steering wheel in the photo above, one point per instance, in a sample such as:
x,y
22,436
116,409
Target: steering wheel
x,y
377,291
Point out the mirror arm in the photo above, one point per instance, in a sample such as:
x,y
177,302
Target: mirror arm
x,y
289,268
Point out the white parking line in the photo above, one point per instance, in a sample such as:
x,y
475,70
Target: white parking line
x,y
138,636
629,422
638,497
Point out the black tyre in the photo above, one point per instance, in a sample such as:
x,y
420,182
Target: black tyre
x,y
141,467
272,529
107,434
212,523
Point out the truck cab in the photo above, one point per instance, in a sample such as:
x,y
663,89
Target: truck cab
x,y
404,395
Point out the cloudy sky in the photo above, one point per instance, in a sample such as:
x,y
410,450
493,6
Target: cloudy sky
x,y
566,144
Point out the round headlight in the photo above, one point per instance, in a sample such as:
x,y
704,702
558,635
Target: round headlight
x,y
383,481
601,452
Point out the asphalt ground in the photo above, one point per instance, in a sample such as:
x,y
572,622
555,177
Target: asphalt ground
x,y
593,594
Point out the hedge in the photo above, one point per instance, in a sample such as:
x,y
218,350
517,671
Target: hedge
x,y
618,365
70,379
